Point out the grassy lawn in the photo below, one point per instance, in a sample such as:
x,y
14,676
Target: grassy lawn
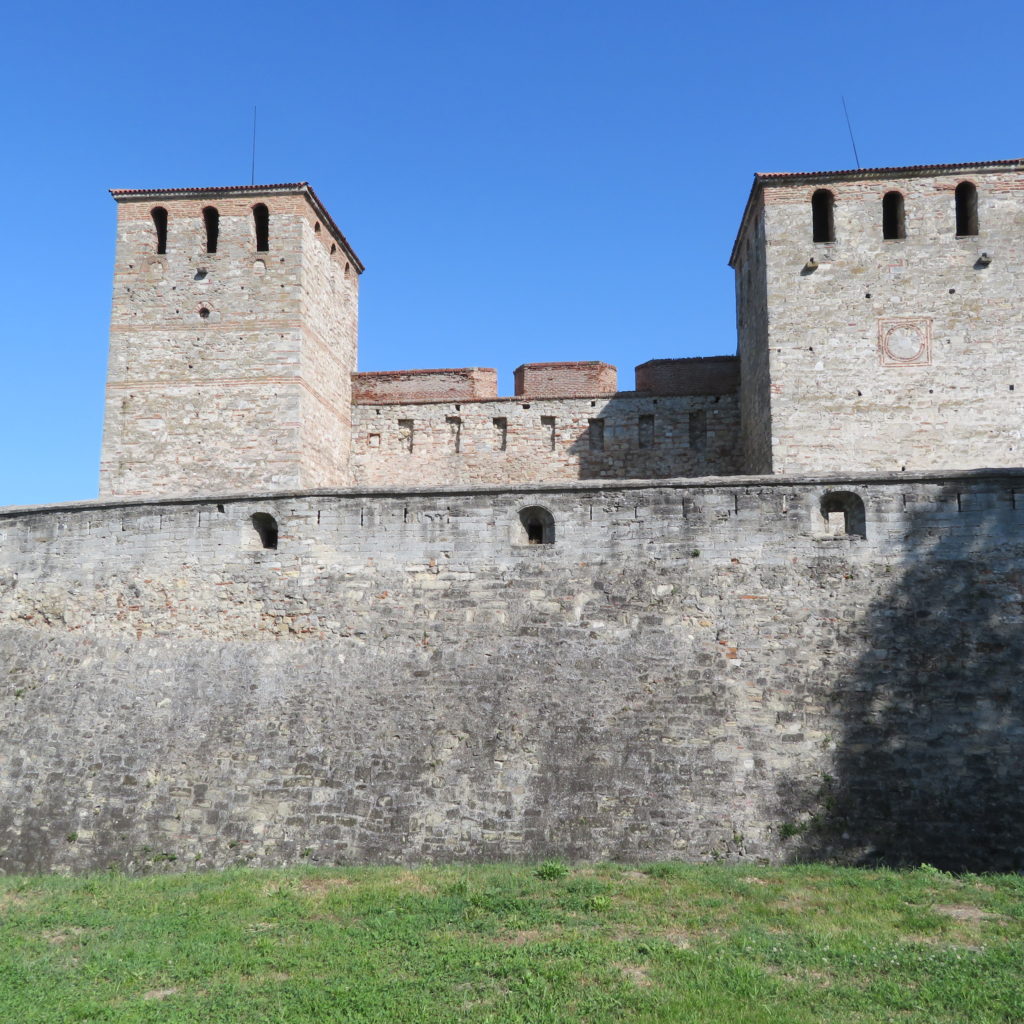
x,y
606,943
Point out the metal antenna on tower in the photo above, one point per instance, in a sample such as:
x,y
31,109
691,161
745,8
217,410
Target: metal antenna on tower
x,y
252,170
850,127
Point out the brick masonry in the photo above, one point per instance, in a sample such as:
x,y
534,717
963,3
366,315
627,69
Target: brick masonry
x,y
463,384
565,380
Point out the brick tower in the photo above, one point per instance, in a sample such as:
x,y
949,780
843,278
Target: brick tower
x,y
232,343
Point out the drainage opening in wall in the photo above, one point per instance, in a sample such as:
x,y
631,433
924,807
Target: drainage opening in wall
x,y
842,514
265,526
536,526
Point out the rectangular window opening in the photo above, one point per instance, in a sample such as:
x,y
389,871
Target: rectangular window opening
x,y
595,431
548,425
645,431
698,433
405,434
500,433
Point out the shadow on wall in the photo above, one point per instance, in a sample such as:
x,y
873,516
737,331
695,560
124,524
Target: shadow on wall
x,y
930,766
657,438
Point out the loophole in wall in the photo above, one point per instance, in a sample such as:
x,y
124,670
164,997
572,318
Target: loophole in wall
x,y
536,526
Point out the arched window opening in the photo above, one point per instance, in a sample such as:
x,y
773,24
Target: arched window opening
x,y
966,208
537,526
893,223
159,215
265,526
822,203
261,221
211,221
842,513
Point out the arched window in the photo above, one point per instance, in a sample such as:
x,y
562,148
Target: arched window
x,y
966,208
537,526
821,215
842,513
159,215
261,221
265,526
211,221
893,224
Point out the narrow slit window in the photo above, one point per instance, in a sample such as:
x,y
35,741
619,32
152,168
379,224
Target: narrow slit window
x,y
455,429
261,222
645,431
698,433
159,215
822,206
893,223
500,433
595,432
211,221
547,424
966,208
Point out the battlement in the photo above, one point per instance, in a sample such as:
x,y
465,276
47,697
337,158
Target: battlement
x,y
703,375
565,380
467,384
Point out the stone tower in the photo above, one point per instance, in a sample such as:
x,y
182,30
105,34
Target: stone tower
x,y
881,319
232,343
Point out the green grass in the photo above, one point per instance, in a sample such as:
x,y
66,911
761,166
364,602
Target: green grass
x,y
669,943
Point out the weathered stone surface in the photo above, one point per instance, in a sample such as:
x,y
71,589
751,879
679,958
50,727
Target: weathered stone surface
x,y
693,669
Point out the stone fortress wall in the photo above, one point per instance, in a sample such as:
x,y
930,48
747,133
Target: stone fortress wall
x,y
335,617
567,421
760,668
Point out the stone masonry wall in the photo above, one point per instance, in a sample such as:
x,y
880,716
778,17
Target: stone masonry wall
x,y
900,352
227,369
752,319
695,670
509,441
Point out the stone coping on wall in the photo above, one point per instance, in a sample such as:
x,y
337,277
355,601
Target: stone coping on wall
x,y
528,399
833,480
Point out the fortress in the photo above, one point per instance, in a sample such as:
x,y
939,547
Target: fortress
x,y
766,605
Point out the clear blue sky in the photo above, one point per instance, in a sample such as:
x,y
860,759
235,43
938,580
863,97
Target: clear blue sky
x,y
525,182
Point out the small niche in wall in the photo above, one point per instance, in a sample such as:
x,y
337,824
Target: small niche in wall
x,y
842,514
536,525
645,431
455,431
265,526
698,432
500,433
406,434
547,425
